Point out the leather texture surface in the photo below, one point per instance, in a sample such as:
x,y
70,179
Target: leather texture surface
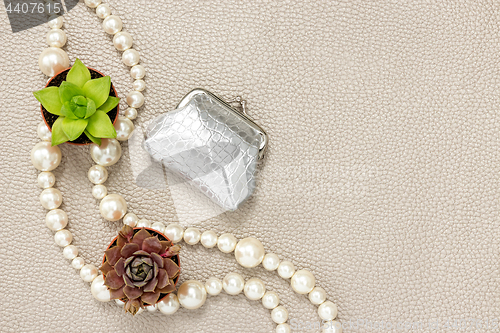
x,y
381,176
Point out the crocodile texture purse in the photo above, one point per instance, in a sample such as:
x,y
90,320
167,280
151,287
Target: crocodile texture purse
x,y
210,144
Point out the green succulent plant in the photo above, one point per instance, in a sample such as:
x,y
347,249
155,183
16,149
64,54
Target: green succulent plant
x,y
81,104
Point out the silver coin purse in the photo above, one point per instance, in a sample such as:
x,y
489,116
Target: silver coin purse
x,y
211,145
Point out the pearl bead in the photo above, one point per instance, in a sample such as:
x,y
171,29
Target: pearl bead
x,y
97,174
286,269
88,272
135,99
317,295
327,310
46,179
143,223
124,128
270,300
152,308
70,252
77,263
55,22
99,290
138,72
63,237
139,85
303,281
283,328
169,305
113,207
56,219
112,24
43,132
249,252
271,262
51,198
122,41
279,314
226,243
131,57
45,157
130,219
192,236
174,232
209,239
92,3
233,283
56,38
52,60
213,286
99,191
254,289
332,327
108,153
158,226
131,113
102,11
192,294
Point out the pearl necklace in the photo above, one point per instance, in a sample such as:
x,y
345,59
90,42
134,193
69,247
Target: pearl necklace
x,y
249,252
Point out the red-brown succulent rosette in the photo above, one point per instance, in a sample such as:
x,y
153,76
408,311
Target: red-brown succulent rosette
x,y
140,267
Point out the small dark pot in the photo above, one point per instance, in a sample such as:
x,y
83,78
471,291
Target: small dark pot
x,y
161,237
50,118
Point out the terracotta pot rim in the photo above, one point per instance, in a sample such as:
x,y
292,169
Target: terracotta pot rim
x,y
157,232
50,128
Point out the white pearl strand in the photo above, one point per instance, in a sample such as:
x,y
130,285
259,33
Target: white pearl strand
x,y
249,252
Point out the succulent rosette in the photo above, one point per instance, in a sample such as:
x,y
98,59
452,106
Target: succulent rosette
x,y
139,268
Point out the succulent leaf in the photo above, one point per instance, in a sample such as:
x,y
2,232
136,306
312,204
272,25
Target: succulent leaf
x,y
100,126
58,135
79,100
151,244
128,281
117,294
171,268
150,286
97,90
91,109
131,292
120,267
150,298
80,111
129,249
106,268
69,90
127,232
164,246
110,104
79,74
113,280
112,255
157,259
49,98
67,111
140,236
162,279
92,138
133,306
168,288
74,128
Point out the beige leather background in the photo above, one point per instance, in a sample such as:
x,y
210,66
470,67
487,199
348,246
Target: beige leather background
x,y
381,177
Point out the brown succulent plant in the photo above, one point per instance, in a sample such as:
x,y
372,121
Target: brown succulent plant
x,y
139,268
